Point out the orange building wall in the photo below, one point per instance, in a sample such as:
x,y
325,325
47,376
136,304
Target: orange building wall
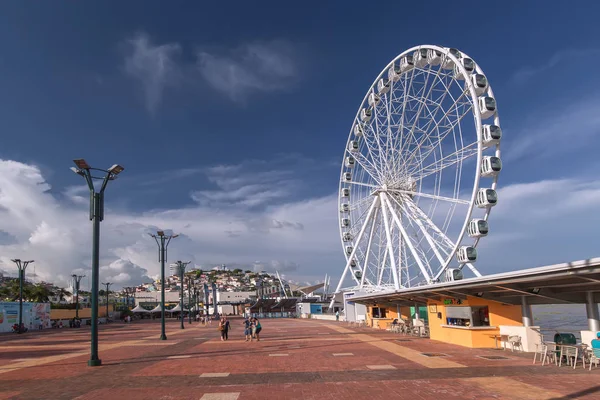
x,y
59,313
391,313
499,315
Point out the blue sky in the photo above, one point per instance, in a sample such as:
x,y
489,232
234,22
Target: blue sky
x,y
141,83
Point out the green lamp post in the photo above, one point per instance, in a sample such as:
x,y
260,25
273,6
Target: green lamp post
x,y
179,267
107,284
96,215
22,266
162,241
76,284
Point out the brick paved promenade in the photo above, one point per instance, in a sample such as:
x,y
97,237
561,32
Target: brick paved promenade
x,y
297,359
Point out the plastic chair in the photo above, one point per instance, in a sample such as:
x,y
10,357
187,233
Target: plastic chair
x,y
515,341
594,357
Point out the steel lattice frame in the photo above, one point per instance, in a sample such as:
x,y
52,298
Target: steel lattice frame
x,y
409,198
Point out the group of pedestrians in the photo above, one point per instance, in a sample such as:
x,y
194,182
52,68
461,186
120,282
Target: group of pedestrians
x,y
252,328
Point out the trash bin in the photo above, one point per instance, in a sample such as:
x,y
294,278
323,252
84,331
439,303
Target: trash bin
x,y
565,338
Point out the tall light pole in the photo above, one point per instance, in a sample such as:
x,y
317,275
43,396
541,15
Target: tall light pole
x,y
76,281
107,284
190,281
180,269
162,241
128,291
22,266
96,215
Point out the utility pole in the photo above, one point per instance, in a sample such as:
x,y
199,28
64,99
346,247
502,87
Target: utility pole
x,y
107,284
162,241
22,266
96,215
76,281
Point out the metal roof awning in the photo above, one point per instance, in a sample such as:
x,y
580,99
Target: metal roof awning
x,y
310,289
565,283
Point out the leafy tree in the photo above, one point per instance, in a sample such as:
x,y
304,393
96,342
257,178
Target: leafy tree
x,y
237,271
248,271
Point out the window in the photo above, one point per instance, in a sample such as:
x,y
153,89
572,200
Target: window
x,y
378,312
468,316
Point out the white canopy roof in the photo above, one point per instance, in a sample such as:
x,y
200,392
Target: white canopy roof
x,y
177,308
139,309
156,309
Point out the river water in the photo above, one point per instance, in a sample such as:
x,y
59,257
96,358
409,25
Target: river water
x,y
564,318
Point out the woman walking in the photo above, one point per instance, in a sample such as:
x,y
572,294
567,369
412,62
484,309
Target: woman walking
x,y
256,328
224,328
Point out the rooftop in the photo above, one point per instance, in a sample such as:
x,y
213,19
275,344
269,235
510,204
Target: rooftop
x,y
566,283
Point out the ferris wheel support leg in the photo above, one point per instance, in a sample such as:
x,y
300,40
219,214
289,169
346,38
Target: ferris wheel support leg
x,y
366,261
390,251
407,239
428,237
358,238
472,268
382,269
440,233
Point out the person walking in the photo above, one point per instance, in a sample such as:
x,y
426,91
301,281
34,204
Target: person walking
x,y
256,328
247,329
337,316
224,328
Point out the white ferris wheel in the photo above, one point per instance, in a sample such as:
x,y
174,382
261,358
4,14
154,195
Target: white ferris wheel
x,y
419,172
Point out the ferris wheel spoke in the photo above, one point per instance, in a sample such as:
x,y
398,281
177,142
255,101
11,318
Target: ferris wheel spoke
x,y
368,166
369,185
449,160
390,251
447,244
430,196
368,253
422,103
443,132
446,129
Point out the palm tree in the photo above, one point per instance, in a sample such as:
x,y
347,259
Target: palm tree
x,y
40,293
62,293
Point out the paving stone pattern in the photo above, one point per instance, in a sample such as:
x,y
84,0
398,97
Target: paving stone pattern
x,y
295,359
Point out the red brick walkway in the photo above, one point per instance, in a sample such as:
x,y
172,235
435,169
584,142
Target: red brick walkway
x,y
296,359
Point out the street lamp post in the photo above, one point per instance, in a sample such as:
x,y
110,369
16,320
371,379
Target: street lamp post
x,y
96,215
190,281
22,266
107,284
128,291
76,282
180,269
162,241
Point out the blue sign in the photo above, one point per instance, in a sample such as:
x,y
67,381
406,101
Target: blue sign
x,y
316,309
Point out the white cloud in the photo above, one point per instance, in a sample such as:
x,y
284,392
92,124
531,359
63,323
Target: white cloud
x,y
558,58
254,67
555,132
535,223
155,66
295,235
541,223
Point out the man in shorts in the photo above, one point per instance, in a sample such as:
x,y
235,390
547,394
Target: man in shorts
x,y
247,329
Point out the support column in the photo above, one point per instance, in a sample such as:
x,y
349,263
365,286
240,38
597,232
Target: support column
x,y
591,309
526,311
